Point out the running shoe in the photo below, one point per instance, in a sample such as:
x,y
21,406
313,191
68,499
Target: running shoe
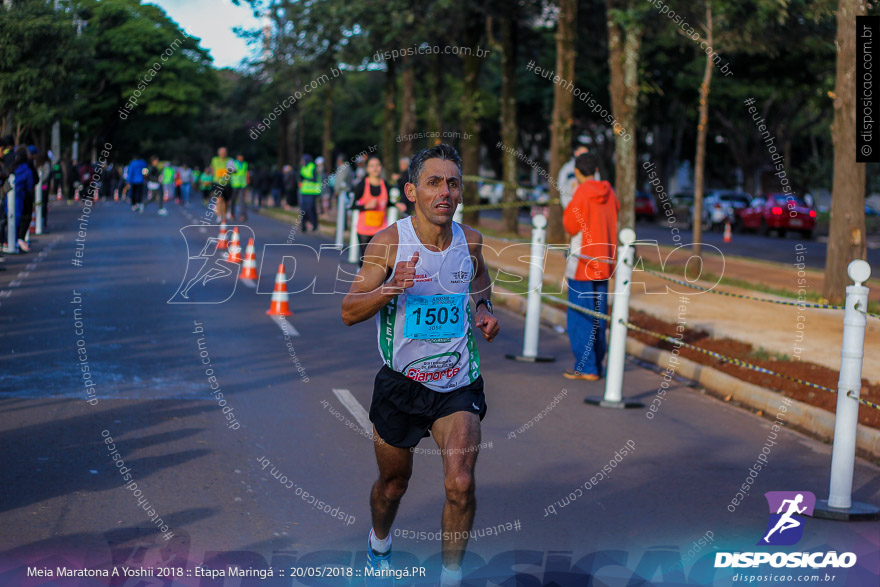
x,y
571,374
22,244
380,561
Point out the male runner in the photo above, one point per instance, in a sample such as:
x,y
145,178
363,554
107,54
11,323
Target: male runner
x,y
222,168
416,278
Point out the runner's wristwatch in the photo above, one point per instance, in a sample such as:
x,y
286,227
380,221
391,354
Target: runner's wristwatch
x,y
488,305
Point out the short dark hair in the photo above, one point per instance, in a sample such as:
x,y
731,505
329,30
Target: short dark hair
x,y
7,141
441,151
586,163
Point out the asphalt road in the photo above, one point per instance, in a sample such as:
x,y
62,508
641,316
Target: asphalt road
x,y
755,246
234,494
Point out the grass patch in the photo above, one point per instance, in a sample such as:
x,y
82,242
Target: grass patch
x,y
763,354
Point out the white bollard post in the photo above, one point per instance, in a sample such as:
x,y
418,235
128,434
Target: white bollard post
x,y
38,204
353,246
613,397
341,209
839,505
533,304
393,212
458,215
11,240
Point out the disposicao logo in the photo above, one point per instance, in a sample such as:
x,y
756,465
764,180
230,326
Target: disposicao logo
x,y
786,528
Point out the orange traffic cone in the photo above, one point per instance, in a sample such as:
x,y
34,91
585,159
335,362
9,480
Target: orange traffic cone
x,y
235,247
58,196
279,295
115,195
249,267
221,244
33,227
728,236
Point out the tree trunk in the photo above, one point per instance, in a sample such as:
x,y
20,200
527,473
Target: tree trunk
x,y
624,46
283,144
846,240
509,130
470,116
563,105
327,139
407,107
702,131
388,115
435,106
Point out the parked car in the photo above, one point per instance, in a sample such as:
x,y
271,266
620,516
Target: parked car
x,y
780,213
646,208
720,207
682,204
491,193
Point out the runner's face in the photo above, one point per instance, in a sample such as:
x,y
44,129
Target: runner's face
x,y
221,153
374,168
438,191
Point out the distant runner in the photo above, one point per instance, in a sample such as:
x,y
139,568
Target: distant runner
x,y
416,278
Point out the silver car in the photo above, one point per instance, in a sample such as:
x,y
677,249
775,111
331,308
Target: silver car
x,y
720,206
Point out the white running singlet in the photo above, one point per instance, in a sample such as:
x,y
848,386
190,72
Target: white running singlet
x,y
425,333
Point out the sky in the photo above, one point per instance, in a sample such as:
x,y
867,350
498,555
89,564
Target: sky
x,y
212,22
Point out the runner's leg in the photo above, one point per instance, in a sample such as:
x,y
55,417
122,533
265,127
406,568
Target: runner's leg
x,y
458,437
395,469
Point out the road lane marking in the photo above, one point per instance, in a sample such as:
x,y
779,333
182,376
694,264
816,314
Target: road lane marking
x,y
356,409
285,326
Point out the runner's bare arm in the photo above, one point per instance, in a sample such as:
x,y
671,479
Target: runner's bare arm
x,y
481,285
369,293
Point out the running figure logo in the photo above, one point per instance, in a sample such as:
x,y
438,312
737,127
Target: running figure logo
x,y
784,529
209,266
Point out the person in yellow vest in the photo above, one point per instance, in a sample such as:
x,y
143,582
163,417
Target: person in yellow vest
x,y
309,191
371,198
239,187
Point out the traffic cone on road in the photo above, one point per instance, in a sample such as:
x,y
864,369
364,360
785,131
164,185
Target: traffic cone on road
x,y
728,236
32,229
235,247
115,195
58,196
279,305
221,244
249,267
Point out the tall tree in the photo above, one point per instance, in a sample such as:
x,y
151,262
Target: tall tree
x,y
563,105
474,29
846,240
702,131
509,130
625,29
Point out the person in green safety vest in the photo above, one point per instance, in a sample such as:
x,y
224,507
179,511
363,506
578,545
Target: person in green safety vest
x,y
206,182
239,187
222,168
309,190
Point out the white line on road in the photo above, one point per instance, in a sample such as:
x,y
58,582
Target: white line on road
x,y
356,409
285,326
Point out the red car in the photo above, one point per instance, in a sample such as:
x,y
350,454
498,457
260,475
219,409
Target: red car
x,y
778,212
645,207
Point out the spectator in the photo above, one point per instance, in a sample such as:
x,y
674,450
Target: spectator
x,y
310,190
206,184
371,198
403,204
239,188
277,185
592,212
567,184
186,182
44,172
25,182
290,183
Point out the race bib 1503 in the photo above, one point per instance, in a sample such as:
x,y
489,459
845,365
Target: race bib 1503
x,y
440,316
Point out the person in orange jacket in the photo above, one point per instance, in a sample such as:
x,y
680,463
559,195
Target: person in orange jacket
x,y
592,212
371,198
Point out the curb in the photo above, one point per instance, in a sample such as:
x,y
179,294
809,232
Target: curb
x,y
815,421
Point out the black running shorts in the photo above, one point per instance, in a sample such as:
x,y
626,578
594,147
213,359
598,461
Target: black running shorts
x,y
404,410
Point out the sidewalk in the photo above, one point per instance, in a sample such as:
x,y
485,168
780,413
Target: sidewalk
x,y
772,327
